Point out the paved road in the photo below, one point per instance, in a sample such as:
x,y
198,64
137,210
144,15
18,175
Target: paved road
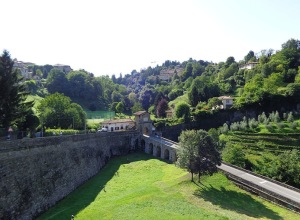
x,y
273,187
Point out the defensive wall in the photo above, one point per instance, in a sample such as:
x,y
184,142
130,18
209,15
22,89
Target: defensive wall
x,y
36,173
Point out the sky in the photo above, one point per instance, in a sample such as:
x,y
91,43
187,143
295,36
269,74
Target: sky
x,y
117,36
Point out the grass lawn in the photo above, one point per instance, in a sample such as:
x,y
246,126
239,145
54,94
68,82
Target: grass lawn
x,y
139,186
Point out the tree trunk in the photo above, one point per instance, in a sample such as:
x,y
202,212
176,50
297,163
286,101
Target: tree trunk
x,y
199,176
192,177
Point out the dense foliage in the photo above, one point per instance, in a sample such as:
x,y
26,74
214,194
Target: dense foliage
x,y
13,105
57,111
197,153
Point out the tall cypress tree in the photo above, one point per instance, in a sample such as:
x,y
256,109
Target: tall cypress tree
x,y
13,107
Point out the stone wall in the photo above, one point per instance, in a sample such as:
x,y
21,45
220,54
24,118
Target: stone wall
x,y
36,173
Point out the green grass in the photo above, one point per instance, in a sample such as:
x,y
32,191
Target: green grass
x,y
183,98
139,186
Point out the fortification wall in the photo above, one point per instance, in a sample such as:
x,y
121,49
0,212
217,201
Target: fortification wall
x,y
36,173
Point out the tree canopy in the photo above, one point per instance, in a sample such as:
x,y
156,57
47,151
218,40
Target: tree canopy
x,y
197,152
13,105
57,111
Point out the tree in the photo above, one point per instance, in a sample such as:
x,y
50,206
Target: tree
x,y
249,57
234,154
57,81
13,105
56,110
182,110
197,153
161,108
136,107
120,107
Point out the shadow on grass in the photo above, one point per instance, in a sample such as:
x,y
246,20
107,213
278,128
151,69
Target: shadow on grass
x,y
236,201
85,194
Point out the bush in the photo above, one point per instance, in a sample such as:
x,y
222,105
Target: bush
x,y
253,124
280,125
224,129
290,117
234,126
294,125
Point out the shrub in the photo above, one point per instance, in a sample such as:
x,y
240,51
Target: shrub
x,y
243,125
224,129
290,117
280,125
234,126
294,125
253,124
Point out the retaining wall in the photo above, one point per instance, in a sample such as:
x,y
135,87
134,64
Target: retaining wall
x,y
36,173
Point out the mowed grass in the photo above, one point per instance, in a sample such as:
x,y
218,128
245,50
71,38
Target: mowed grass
x,y
138,186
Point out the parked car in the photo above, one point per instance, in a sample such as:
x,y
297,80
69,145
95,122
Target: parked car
x,y
103,130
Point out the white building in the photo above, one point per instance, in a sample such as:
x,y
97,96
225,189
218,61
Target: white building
x,y
118,124
249,65
227,102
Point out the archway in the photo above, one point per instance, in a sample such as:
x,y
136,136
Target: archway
x,y
143,144
150,149
145,131
158,151
166,154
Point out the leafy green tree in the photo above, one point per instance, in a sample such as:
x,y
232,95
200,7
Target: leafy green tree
x,y
289,167
136,107
57,81
249,57
120,107
57,111
31,122
273,83
234,154
182,110
13,105
77,81
197,153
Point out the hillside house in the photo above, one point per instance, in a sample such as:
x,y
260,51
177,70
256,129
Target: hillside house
x,y
249,65
227,102
118,124
169,113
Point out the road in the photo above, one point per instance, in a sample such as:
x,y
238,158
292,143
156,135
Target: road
x,y
273,187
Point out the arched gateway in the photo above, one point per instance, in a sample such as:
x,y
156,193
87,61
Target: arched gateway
x,y
153,144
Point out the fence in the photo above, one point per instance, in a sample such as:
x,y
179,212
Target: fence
x,y
100,114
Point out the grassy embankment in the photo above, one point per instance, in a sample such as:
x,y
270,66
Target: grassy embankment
x,y
139,186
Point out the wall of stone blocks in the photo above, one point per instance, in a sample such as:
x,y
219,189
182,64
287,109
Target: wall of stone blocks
x,y
36,173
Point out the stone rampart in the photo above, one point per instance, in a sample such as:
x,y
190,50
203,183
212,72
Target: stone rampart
x,y
36,173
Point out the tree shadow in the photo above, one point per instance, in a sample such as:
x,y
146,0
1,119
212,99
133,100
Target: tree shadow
x,y
85,194
236,201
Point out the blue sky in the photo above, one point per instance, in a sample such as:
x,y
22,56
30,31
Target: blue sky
x,y
117,36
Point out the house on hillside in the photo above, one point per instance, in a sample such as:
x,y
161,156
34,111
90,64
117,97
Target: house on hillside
x,y
118,124
227,102
169,113
249,65
23,68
